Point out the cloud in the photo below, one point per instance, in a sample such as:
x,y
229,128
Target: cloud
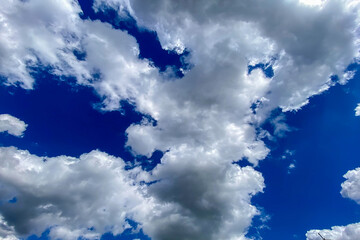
x,y
351,187
36,33
357,110
70,195
204,120
349,232
306,53
6,232
202,197
280,126
12,125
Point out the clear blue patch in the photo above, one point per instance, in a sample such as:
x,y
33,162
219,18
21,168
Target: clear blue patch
x,y
80,55
128,234
44,236
244,162
62,120
265,67
325,148
13,200
149,164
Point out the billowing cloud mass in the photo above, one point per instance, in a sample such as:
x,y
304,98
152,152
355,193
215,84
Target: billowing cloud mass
x,y
349,232
349,189
71,195
12,125
204,121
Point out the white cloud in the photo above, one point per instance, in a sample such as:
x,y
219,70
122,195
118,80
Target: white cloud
x,y
202,197
36,32
70,195
280,126
307,52
357,110
205,119
349,232
12,125
351,187
6,232
313,3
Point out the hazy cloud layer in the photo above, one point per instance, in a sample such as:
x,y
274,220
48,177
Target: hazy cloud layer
x,y
205,120
12,125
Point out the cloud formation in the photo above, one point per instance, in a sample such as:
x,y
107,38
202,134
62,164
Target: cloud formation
x,y
357,110
349,189
70,196
348,232
204,121
12,125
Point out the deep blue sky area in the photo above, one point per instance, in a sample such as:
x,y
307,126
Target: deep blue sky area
x,y
324,142
64,119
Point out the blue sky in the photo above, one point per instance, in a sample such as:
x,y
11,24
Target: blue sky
x,y
131,120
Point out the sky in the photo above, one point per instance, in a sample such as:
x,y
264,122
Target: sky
x,y
179,120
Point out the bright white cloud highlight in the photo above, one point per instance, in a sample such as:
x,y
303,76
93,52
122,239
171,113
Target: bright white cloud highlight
x,y
12,125
349,232
36,32
357,110
351,187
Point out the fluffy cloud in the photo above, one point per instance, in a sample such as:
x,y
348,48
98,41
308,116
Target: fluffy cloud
x,y
303,40
349,232
12,125
357,110
204,121
204,198
68,194
33,33
71,195
351,187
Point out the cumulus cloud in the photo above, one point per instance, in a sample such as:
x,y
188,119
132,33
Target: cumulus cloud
x,y
348,232
12,125
306,53
33,35
357,110
204,120
70,195
351,187
205,198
